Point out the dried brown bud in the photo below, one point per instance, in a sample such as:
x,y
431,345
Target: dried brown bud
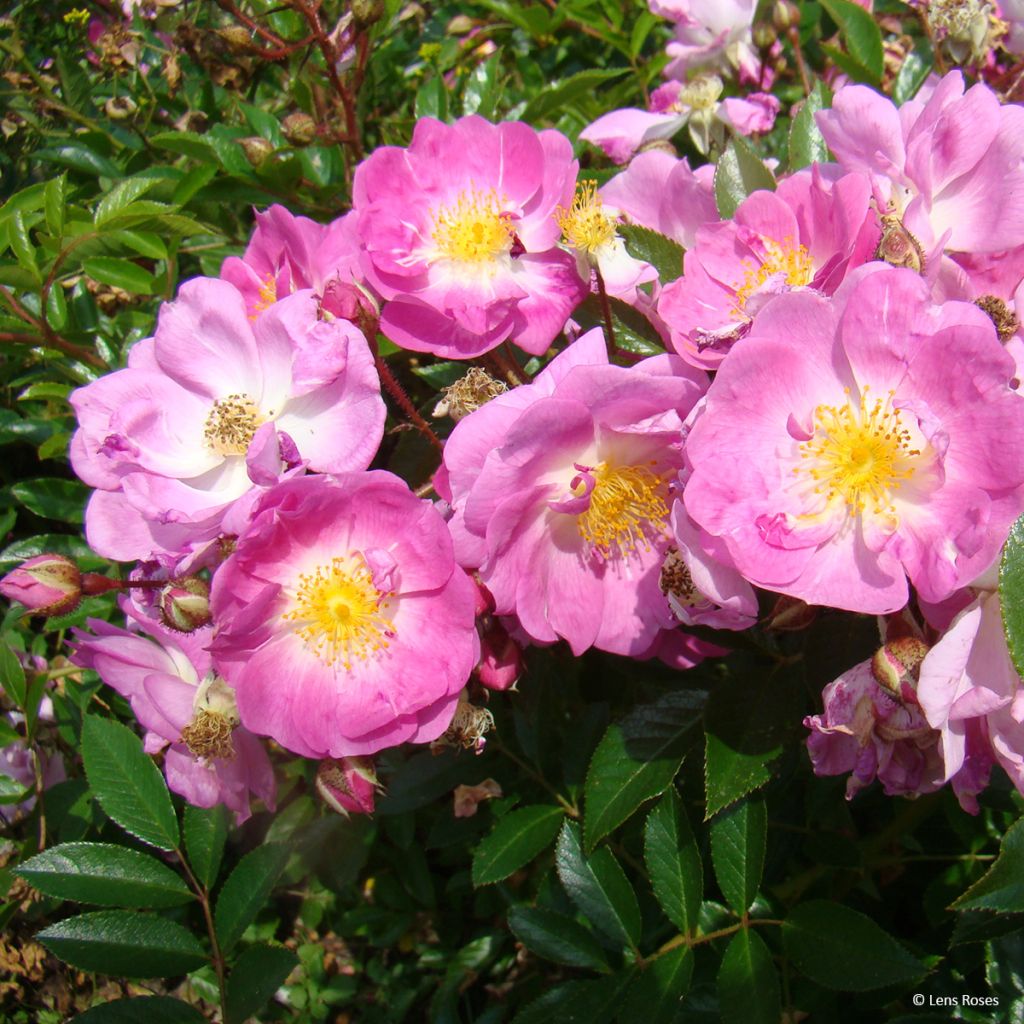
x,y
367,12
468,393
120,107
299,128
460,25
172,72
790,615
237,38
1000,314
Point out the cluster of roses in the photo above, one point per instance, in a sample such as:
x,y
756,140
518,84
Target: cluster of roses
x,y
837,422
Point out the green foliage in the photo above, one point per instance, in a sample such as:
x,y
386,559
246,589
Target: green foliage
x,y
246,890
259,972
806,143
1011,593
738,838
515,841
673,862
739,172
206,831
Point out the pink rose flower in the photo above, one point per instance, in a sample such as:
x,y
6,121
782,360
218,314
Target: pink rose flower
x,y
808,234
288,254
214,406
710,32
847,445
459,236
344,623
186,710
561,491
952,167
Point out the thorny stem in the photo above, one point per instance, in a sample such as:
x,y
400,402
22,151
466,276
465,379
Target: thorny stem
x,y
203,895
46,336
699,940
798,54
397,392
606,309
40,788
570,808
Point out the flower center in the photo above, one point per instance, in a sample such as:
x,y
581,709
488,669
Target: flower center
x,y
340,613
794,261
214,718
267,297
585,226
676,582
859,454
627,503
231,424
473,229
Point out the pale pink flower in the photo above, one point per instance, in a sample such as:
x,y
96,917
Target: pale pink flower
x,y
561,491
459,236
214,406
952,167
710,32
188,712
806,235
344,623
846,445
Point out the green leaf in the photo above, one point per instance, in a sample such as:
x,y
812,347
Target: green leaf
x,y
843,949
663,253
598,886
738,838
51,498
54,205
637,759
556,937
205,833
861,34
432,99
246,891
579,1002
1002,886
915,67
673,862
657,994
21,245
74,83
12,675
983,926
121,274
186,143
259,973
748,984
80,157
145,243
12,791
120,196
744,734
142,1010
1011,593
483,88
561,94
806,143
56,308
45,389
516,840
124,943
740,171
105,874
127,784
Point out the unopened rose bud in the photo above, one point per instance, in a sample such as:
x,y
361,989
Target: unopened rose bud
x,y
790,615
185,604
501,660
367,12
348,785
460,25
299,128
347,301
256,149
894,666
120,107
785,14
45,585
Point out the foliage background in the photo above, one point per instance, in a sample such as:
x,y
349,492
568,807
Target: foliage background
x,y
661,851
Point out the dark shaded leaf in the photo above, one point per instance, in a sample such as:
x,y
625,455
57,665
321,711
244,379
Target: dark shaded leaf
x,y
256,976
516,840
738,839
246,891
206,830
556,937
748,984
673,862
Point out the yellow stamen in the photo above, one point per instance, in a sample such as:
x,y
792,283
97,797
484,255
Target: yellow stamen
x,y
231,424
340,613
859,454
268,296
208,735
585,226
792,260
626,505
473,229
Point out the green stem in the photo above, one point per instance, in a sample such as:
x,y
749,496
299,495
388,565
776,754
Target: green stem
x,y
203,895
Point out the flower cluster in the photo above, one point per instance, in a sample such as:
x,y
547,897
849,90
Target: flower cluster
x,y
836,419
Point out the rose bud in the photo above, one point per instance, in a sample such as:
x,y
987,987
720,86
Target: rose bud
x,y
45,585
185,604
349,785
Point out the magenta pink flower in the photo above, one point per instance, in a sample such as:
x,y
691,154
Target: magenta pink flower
x,y
288,254
459,236
869,732
186,710
344,623
808,234
561,492
848,445
213,406
662,193
710,32
952,167
969,685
